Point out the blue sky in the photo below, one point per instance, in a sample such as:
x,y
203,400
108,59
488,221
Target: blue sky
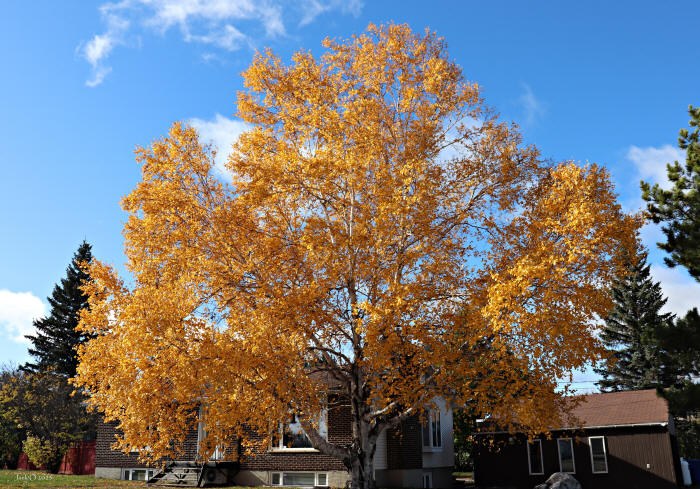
x,y
84,83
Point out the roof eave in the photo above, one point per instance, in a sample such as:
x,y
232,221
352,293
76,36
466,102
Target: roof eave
x,y
573,428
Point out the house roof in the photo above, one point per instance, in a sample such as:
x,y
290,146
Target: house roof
x,y
620,408
628,408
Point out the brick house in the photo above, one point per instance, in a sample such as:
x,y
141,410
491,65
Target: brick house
x,y
411,456
618,439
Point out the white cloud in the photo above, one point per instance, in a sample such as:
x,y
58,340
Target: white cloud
x,y
98,75
682,291
313,8
98,49
226,24
187,14
17,311
533,107
648,164
229,38
221,132
651,162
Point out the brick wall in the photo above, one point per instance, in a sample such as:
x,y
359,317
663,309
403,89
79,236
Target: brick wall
x,y
105,456
404,449
339,432
339,423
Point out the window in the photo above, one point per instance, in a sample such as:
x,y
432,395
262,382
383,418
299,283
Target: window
x,y
138,474
427,480
291,435
299,479
534,457
219,451
599,458
566,455
432,434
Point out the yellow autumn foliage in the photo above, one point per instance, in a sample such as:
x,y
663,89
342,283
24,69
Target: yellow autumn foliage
x,y
382,233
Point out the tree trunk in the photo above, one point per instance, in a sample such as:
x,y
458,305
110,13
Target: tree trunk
x,y
362,465
357,457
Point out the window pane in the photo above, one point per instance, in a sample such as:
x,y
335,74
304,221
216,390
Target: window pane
x,y
294,436
138,475
566,456
323,424
535,452
426,434
598,458
437,434
299,479
432,436
322,480
218,453
297,440
275,479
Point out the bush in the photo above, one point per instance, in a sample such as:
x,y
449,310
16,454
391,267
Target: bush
x,y
44,453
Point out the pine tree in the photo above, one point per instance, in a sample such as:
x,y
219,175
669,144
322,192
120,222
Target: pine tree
x,y
631,332
679,207
56,337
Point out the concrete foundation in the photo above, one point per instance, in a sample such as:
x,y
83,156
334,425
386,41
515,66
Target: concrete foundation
x,y
411,478
336,478
108,473
441,478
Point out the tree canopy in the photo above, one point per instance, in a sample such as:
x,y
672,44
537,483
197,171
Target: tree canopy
x,y
42,407
383,233
11,435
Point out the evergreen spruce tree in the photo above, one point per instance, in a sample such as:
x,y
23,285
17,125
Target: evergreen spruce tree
x,y
56,338
632,331
678,208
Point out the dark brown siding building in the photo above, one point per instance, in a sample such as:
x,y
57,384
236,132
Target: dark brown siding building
x,y
617,440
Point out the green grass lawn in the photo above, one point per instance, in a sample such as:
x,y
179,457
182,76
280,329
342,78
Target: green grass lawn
x,y
463,475
13,479
31,478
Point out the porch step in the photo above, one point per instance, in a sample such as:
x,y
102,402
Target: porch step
x,y
178,474
192,474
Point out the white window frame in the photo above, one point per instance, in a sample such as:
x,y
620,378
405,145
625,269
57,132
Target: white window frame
x,y
282,474
573,456
127,473
322,430
219,451
529,461
605,454
433,428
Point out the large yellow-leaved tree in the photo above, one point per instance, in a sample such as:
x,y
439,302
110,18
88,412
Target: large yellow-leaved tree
x,y
382,234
